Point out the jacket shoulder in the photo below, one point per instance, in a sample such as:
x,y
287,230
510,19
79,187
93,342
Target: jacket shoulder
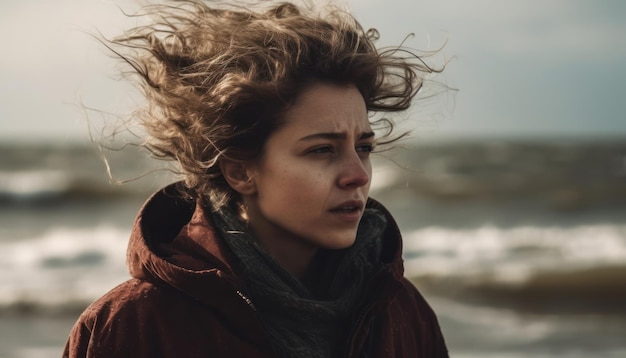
x,y
140,319
96,330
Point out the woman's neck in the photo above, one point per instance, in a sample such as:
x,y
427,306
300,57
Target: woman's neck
x,y
293,256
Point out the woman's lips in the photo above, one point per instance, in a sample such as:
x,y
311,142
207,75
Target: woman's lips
x,y
349,210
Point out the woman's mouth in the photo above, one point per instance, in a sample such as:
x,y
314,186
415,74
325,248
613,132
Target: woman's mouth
x,y
346,209
349,211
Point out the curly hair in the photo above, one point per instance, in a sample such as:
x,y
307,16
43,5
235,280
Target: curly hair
x,y
218,80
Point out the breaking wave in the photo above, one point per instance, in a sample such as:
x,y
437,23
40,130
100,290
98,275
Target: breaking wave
x,y
535,268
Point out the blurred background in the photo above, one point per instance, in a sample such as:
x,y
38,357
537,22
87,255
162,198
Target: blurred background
x,y
511,192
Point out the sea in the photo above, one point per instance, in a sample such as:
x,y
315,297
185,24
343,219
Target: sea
x,y
518,245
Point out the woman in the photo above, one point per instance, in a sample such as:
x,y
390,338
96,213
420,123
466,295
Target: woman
x,y
270,246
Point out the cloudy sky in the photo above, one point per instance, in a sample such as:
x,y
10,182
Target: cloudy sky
x,y
529,68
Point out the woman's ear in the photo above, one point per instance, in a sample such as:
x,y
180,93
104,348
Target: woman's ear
x,y
237,176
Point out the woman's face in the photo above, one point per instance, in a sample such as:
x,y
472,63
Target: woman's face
x,y
312,180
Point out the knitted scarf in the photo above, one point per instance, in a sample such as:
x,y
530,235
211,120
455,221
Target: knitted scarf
x,y
307,321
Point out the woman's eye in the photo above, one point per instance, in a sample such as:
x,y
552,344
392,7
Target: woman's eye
x,y
365,148
321,150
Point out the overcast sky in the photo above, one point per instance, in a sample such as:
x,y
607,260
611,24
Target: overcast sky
x,y
523,68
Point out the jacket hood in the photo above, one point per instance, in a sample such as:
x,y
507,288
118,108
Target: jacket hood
x,y
173,243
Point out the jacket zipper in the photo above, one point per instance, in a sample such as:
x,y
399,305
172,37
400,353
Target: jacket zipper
x,y
246,299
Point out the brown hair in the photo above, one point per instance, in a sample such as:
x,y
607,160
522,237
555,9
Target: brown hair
x,y
217,80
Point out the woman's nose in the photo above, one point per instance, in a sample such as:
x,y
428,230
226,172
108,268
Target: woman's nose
x,y
354,172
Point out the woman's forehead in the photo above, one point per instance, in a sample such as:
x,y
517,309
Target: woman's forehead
x,y
329,108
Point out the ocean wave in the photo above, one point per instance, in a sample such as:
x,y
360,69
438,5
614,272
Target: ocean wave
x,y
33,183
577,268
481,330
563,177
600,290
62,270
37,186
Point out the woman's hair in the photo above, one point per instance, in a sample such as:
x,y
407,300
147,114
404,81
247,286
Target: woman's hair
x,y
218,80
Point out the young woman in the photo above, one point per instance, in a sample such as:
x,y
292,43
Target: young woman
x,y
270,246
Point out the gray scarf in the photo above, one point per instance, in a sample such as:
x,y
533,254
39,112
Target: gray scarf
x,y
311,320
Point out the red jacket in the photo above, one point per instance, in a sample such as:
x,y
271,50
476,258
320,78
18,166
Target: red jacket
x,y
183,299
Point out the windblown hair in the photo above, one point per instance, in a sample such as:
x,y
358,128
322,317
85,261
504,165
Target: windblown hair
x,y
218,80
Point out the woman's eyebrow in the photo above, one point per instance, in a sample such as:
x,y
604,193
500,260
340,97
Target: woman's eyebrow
x,y
335,135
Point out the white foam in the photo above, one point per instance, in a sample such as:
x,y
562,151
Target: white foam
x,y
511,255
62,265
34,182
